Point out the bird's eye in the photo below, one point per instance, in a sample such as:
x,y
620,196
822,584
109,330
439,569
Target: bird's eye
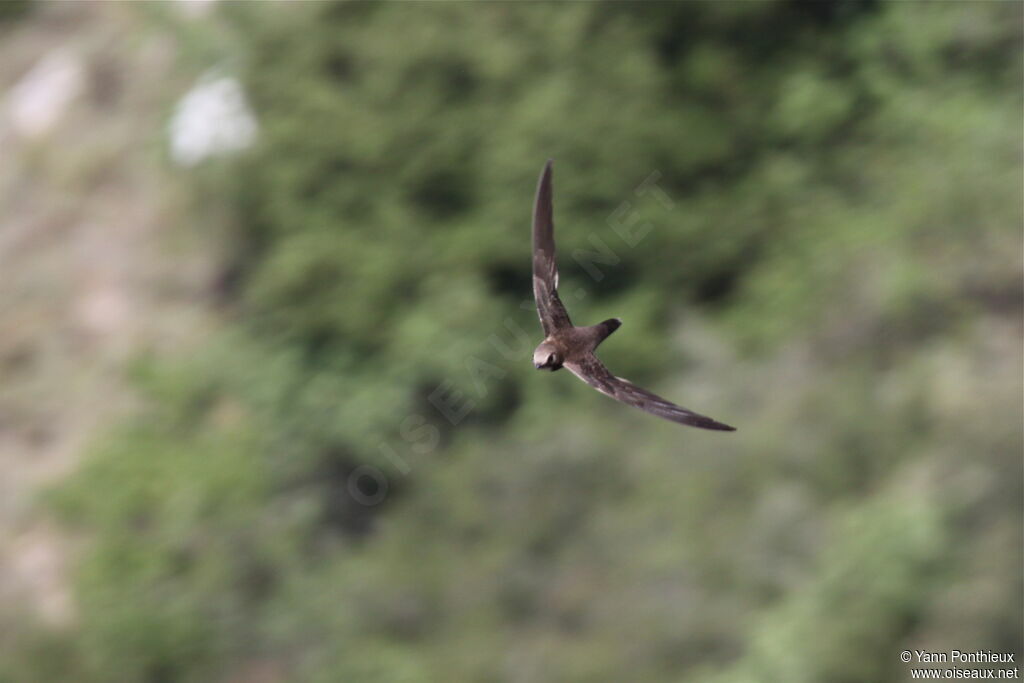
x,y
551,359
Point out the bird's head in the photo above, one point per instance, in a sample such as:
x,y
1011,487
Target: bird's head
x,y
547,357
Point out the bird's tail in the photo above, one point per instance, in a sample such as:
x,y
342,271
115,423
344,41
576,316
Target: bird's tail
x,y
605,329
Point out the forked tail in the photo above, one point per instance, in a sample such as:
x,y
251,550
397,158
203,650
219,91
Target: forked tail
x,y
603,330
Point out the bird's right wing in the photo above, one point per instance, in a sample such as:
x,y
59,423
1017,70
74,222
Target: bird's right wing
x,y
550,309
592,371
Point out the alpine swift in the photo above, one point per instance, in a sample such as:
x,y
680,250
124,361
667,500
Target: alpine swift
x,y
573,347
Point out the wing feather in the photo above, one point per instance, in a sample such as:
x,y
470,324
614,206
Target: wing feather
x,y
592,371
550,309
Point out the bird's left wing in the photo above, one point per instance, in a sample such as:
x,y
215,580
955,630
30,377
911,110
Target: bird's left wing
x,y
550,309
592,371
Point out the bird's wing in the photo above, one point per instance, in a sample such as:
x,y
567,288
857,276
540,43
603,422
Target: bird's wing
x,y
593,372
553,315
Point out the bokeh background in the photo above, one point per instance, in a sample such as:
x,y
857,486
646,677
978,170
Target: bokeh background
x,y
248,250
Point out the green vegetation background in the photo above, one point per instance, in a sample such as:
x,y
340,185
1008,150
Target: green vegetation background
x,y
837,271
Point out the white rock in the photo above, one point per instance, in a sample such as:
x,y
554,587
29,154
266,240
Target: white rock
x,y
212,119
40,98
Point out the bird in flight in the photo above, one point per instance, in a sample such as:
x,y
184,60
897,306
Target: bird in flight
x,y
566,345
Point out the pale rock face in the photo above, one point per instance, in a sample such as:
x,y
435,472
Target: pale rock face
x,y
195,9
37,562
212,119
36,102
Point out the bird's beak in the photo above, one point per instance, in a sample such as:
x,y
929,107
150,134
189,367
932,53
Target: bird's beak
x,y
538,365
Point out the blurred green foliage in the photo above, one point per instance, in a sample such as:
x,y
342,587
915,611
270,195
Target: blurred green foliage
x,y
838,274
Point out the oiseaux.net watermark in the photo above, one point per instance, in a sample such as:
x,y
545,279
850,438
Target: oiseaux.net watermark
x,y
961,665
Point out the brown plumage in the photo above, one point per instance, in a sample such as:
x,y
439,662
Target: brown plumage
x,y
573,347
